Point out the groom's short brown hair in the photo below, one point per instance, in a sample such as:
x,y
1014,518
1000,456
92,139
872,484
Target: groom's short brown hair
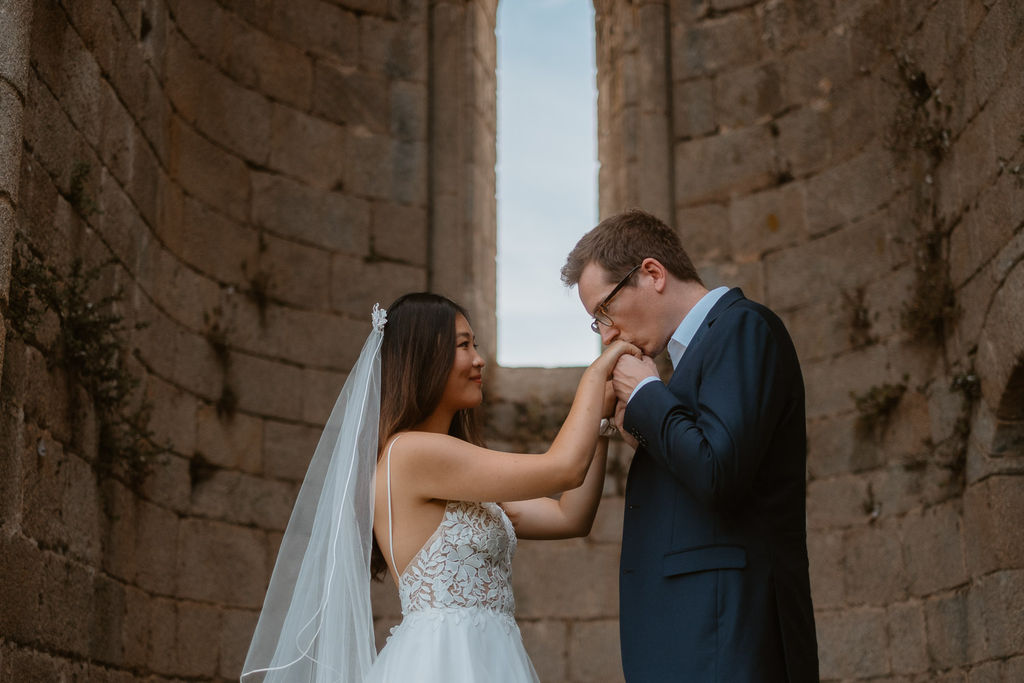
x,y
622,241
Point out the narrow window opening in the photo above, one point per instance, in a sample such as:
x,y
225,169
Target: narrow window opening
x,y
547,177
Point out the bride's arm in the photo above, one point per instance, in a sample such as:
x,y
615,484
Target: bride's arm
x,y
442,467
571,515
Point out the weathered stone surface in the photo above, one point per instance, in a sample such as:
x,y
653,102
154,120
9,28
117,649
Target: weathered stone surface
x,y
208,172
933,548
714,44
766,221
287,449
858,639
546,642
946,626
539,580
279,70
399,232
331,220
234,442
906,631
221,563
874,566
693,109
594,651
712,168
308,148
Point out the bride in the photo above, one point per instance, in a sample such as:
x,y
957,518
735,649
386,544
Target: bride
x,y
401,484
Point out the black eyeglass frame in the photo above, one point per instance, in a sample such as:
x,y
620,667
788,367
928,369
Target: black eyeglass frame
x,y
601,310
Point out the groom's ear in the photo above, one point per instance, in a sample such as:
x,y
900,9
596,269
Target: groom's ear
x,y
653,268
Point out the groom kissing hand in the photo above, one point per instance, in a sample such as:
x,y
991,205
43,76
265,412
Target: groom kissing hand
x,y
713,581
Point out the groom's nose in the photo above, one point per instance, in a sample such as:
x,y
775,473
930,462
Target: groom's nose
x,y
608,334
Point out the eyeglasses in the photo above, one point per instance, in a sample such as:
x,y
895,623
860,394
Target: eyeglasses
x,y
601,310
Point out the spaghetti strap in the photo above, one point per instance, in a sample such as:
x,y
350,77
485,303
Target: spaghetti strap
x,y
391,533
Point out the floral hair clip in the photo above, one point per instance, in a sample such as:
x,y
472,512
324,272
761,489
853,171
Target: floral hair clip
x,y
379,316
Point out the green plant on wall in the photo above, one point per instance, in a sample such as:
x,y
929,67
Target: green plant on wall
x,y
90,347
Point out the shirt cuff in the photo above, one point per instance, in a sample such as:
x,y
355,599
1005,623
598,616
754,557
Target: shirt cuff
x,y
644,381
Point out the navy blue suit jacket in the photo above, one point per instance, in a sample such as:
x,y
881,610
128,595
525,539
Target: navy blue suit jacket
x,y
714,583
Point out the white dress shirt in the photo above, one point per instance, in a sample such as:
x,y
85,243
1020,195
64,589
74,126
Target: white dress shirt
x,y
683,335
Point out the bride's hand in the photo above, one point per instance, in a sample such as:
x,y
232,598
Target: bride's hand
x,y
605,363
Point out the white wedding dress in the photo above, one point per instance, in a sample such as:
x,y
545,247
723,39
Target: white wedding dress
x,y
457,604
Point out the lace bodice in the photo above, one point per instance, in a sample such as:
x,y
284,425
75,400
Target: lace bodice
x,y
467,562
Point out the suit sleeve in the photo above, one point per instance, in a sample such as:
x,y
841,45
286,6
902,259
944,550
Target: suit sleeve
x,y
714,448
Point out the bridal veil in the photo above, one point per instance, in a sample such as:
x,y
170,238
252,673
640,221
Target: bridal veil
x,y
317,625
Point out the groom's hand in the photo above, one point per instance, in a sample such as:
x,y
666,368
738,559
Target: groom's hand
x,y
628,373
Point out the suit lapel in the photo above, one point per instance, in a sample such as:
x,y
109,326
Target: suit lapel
x,y
728,299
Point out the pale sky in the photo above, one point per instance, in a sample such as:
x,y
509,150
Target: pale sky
x,y
547,177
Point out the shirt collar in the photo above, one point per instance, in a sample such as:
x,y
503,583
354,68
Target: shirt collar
x,y
683,335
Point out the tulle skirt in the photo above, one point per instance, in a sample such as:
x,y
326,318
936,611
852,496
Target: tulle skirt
x,y
454,645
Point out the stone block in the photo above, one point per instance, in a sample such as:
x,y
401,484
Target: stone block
x,y
163,628
320,392
985,229
829,383
803,142
399,232
748,95
21,569
547,643
330,220
947,628
287,449
106,620
11,110
65,605
169,483
119,541
541,572
409,107
15,36
852,643
196,639
704,232
207,172
221,563
849,191
235,442
266,387
714,44
867,245
298,275
236,629
594,653
856,113
812,72
836,503
308,148
874,568
907,644
243,499
282,71
822,329
356,284
934,549
716,167
174,353
234,117
136,625
827,566
766,221
62,503
218,246
607,526
352,98
381,168
156,536
990,542
693,109
992,43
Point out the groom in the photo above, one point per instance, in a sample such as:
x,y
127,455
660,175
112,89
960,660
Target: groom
x,y
714,583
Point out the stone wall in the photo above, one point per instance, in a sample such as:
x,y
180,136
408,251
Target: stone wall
x,y
248,179
857,166
259,173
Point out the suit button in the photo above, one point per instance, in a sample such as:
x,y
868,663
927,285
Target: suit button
x,y
627,571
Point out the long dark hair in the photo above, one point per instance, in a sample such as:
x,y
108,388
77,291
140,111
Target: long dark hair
x,y
416,356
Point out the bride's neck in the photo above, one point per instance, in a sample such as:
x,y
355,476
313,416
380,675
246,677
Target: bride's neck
x,y
438,422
